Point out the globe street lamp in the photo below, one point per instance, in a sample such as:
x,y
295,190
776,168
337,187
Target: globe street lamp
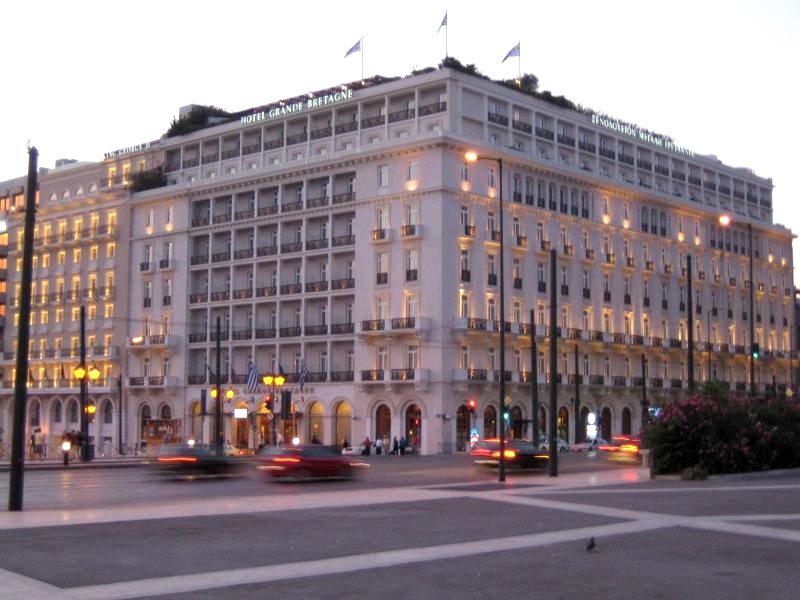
x,y
84,376
472,157
273,381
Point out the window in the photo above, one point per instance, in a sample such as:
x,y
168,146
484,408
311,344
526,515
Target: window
x,y
93,253
111,250
411,170
148,218
464,307
170,215
76,256
465,172
383,176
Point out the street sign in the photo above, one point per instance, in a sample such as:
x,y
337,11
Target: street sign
x,y
474,437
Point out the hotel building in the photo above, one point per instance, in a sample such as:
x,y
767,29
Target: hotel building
x,y
342,238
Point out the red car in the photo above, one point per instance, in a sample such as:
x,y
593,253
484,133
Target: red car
x,y
310,462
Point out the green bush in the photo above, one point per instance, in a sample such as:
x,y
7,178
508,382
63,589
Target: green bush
x,y
724,434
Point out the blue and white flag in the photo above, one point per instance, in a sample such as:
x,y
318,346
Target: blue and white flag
x,y
513,52
303,374
356,48
444,22
252,378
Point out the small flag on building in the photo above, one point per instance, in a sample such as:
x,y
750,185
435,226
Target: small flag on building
x,y
252,378
63,373
444,22
513,52
356,48
303,373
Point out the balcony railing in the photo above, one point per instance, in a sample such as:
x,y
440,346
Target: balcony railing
x,y
342,328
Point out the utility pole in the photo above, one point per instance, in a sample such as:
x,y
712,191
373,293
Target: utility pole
x,y
553,368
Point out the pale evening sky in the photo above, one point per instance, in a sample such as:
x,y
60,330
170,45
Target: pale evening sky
x,y
719,77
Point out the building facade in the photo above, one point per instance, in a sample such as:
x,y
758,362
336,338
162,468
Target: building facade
x,y
343,239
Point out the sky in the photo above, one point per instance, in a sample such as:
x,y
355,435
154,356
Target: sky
x,y
719,77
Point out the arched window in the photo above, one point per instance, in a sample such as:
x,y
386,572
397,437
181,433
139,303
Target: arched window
x,y
489,422
166,413
605,423
383,422
35,414
626,421
73,411
56,412
108,412
562,424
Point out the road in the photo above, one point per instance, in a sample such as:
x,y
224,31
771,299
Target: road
x,y
431,527
113,488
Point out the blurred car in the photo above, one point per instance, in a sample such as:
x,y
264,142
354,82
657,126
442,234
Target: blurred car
x,y
520,454
622,448
189,460
544,444
352,450
310,462
588,445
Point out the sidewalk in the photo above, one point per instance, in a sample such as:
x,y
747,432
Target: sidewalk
x,y
52,464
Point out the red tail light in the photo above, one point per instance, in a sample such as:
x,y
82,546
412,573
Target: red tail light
x,y
286,459
176,459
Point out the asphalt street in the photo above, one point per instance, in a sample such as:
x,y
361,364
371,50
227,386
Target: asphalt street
x,y
430,527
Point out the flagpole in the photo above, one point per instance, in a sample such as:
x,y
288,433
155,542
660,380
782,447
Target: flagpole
x,y
446,29
362,58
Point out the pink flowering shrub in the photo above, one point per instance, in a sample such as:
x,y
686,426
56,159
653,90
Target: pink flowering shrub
x,y
725,434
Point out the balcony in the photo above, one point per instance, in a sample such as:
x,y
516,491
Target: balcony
x,y
265,333
317,244
243,253
221,256
166,264
410,231
372,375
315,330
430,109
146,267
291,247
343,284
373,121
589,253
521,241
544,245
265,211
470,231
522,126
611,258
220,296
544,133
242,334
316,286
293,331
497,118
381,235
243,293
402,115
568,250
266,291
198,298
292,206
342,328
291,288
343,197
343,240
266,250
381,278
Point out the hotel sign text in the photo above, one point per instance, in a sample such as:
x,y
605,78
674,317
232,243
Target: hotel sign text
x,y
128,150
295,107
640,135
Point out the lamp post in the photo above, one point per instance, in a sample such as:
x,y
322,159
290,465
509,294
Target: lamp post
x,y
471,157
708,342
216,395
85,375
725,221
273,381
17,474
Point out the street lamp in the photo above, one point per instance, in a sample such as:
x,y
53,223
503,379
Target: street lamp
x,y
725,221
472,157
273,381
85,375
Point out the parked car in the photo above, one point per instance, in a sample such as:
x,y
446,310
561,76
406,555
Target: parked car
x,y
544,444
192,460
310,462
587,445
520,454
352,450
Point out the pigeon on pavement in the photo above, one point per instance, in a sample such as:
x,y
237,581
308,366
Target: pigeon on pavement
x,y
590,545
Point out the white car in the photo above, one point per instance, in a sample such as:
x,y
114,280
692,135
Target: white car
x,y
587,445
352,451
544,444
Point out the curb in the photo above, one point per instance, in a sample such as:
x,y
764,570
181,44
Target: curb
x,y
777,473
77,464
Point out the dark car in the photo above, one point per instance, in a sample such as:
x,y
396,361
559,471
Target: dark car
x,y
309,462
192,460
519,454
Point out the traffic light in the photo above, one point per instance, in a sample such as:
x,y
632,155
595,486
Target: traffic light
x,y
268,401
471,404
756,351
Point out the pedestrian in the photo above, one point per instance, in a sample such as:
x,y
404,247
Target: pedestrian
x,y
403,445
344,443
386,444
367,445
38,444
315,440
395,446
378,445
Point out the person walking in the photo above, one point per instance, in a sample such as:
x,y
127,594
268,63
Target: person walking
x,y
367,445
395,446
403,445
378,445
